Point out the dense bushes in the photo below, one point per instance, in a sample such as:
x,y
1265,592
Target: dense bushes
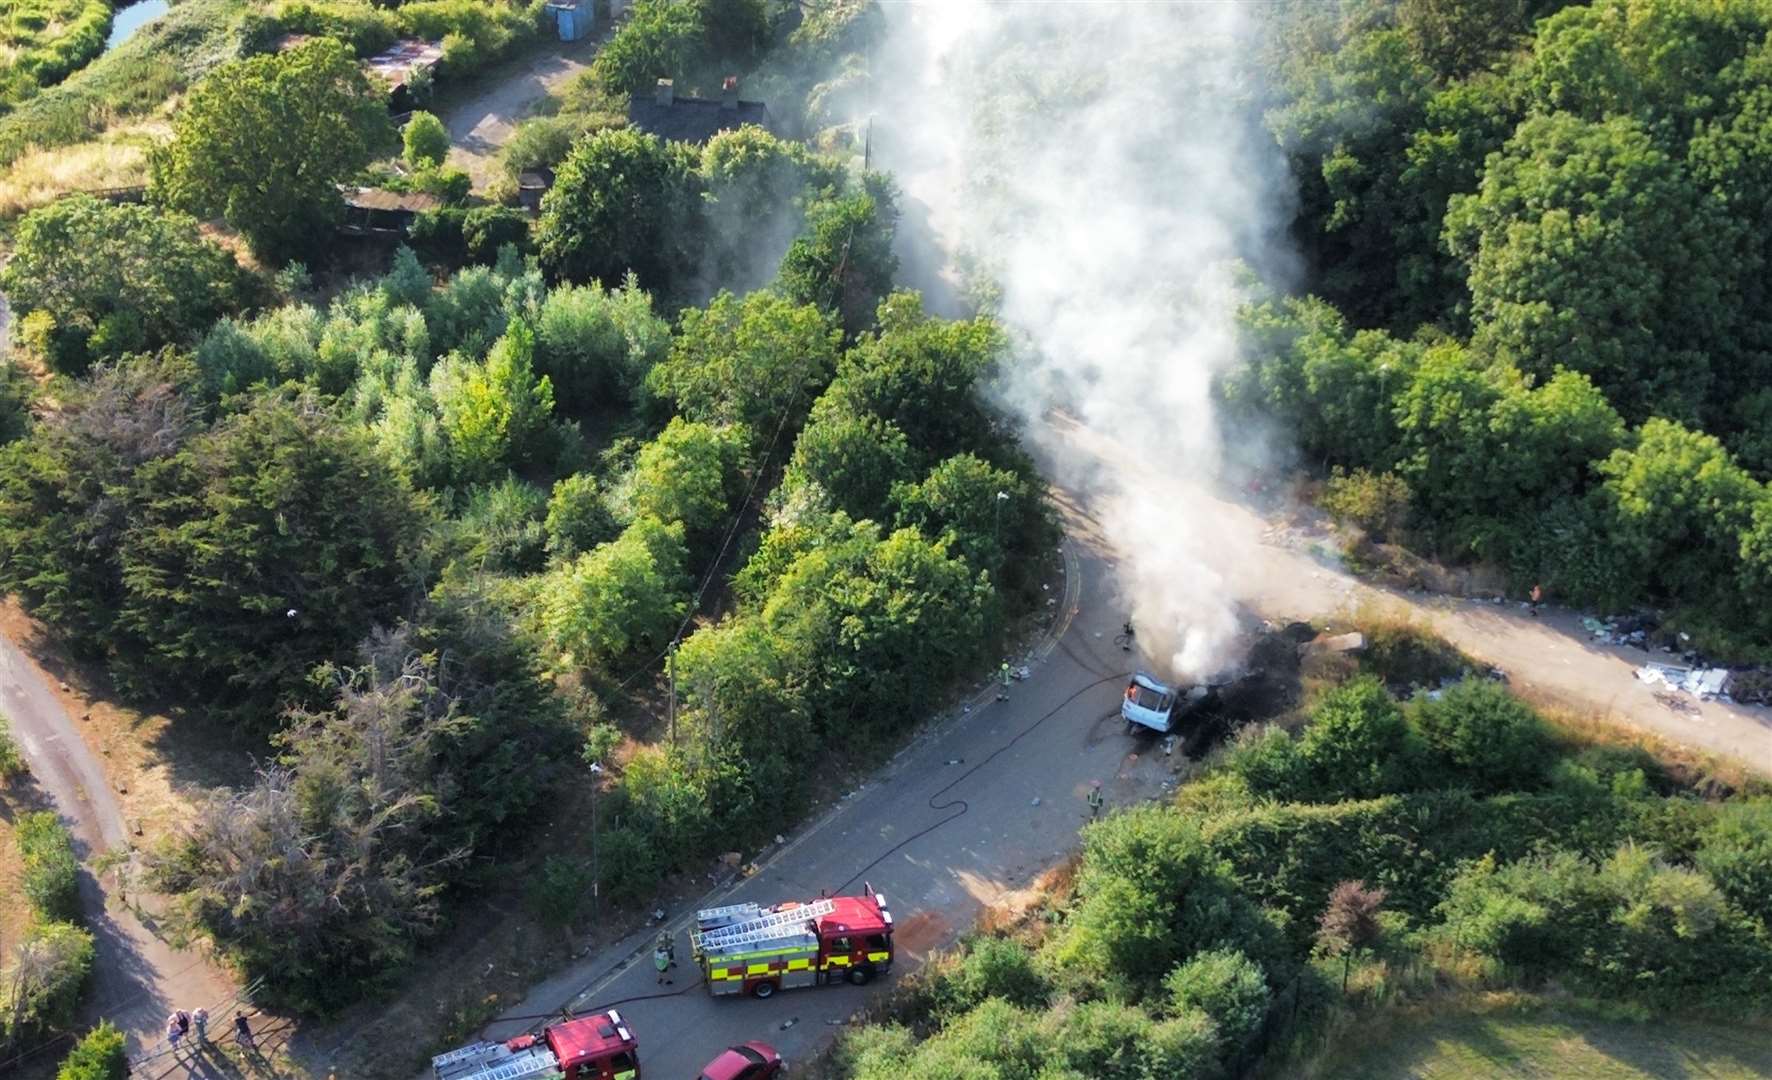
x,y
51,873
117,279
1505,230
99,1055
435,747
1200,936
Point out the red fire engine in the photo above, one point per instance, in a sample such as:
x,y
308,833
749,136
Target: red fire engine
x,y
757,950
596,1047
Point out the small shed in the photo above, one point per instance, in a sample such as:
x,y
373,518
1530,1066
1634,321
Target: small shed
x,y
573,18
379,212
531,186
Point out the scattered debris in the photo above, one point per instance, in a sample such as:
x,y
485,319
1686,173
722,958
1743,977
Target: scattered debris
x,y
1706,684
955,761
788,1023
1353,641
1036,801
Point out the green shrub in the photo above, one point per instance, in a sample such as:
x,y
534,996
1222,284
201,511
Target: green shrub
x,y
1376,503
1484,736
1736,851
561,890
50,966
1357,743
1226,986
12,763
99,1055
990,967
486,229
1266,760
51,873
425,141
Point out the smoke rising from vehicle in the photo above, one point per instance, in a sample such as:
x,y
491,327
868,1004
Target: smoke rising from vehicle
x,y
1104,167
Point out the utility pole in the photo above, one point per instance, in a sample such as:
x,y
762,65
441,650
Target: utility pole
x,y
596,872
671,668
867,144
997,534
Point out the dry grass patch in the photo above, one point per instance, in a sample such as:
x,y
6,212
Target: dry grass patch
x,y
117,159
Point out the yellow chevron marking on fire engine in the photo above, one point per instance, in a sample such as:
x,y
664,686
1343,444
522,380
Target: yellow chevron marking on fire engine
x,y
799,965
756,969
837,961
876,957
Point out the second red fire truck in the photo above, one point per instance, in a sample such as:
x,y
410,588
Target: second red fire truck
x,y
749,949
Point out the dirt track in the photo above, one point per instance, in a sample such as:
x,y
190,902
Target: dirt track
x,y
139,977
479,127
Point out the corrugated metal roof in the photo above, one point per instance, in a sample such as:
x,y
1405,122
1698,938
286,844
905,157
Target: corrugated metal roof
x,y
382,199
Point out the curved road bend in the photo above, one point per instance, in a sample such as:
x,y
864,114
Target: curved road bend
x,y
967,816
977,808
138,978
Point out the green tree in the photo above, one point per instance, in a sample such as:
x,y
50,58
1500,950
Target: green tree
x,y
117,279
578,516
965,501
843,262
660,39
1589,248
1678,506
1457,37
877,626
50,966
265,546
493,412
626,594
854,459
748,361
622,202
67,497
596,345
424,141
920,373
689,475
1736,851
99,1055
263,142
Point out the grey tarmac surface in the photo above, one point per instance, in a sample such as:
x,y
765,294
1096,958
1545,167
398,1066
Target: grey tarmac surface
x,y
965,817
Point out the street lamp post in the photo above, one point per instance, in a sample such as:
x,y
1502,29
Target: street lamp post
x,y
596,874
997,533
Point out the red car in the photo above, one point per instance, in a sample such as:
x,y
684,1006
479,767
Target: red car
x,y
752,1061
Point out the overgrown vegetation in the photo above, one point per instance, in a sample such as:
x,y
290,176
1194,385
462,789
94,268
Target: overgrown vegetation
x,y
1387,848
47,968
1536,248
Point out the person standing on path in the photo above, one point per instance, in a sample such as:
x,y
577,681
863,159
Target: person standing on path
x,y
173,1034
243,1033
1003,694
661,959
201,1019
1094,800
1537,598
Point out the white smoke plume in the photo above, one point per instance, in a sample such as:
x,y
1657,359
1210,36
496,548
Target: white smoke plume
x,y
1104,165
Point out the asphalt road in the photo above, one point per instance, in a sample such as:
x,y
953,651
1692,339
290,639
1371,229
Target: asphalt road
x,y
966,817
138,977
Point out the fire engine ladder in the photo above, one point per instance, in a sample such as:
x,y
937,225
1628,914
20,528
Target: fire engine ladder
x,y
524,1068
729,914
766,927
